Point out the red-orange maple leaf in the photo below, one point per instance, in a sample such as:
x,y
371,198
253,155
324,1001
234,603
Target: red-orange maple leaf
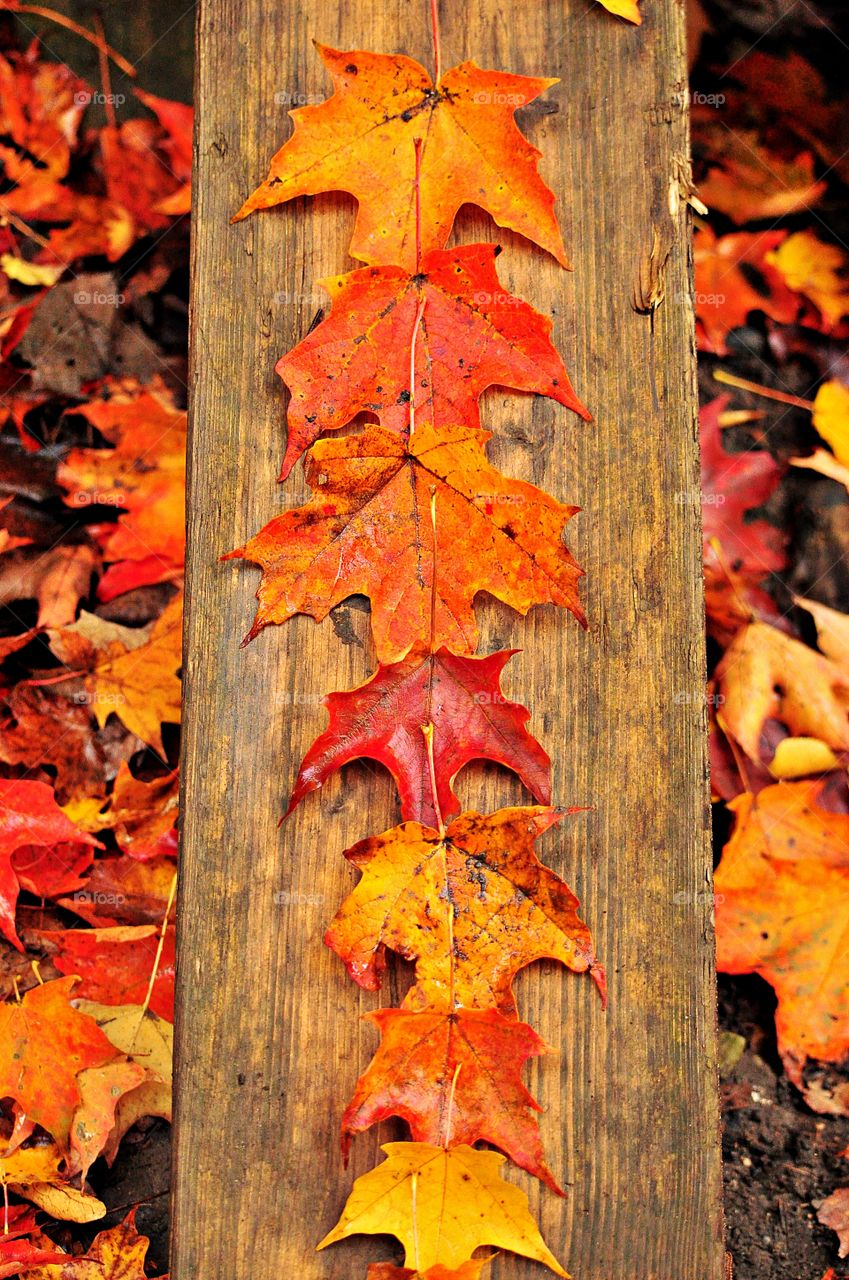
x,y
454,1076
383,720
368,530
725,294
115,965
472,334
362,140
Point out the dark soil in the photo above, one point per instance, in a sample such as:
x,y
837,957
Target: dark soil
x,y
781,1158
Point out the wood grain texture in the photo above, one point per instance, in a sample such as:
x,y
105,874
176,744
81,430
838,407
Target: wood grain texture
x,y
269,1039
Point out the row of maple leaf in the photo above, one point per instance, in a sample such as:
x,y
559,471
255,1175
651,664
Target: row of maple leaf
x,y
111,841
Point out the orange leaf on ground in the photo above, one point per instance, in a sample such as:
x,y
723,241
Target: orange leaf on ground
x,y
783,912
44,1045
748,182
724,292
767,675
471,153
144,473
117,1254
128,672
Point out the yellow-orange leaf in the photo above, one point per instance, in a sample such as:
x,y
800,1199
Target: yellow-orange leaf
x,y
817,270
471,907
765,674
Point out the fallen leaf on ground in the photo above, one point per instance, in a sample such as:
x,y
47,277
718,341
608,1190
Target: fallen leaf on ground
x,y
734,484
767,675
782,912
44,1044
817,270
725,294
131,672
115,965
834,1212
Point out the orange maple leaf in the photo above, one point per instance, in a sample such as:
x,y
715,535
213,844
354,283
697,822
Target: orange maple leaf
x,y
362,140
369,531
471,907
724,293
454,1076
144,473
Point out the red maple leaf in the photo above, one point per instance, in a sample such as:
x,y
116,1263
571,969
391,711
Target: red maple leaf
x,y
384,718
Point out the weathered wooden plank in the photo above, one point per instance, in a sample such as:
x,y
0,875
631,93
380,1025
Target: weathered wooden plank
x,y
269,1038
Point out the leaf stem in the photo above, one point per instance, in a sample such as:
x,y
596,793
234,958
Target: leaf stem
x,y
41,11
156,960
427,730
105,78
769,393
449,1115
437,51
416,325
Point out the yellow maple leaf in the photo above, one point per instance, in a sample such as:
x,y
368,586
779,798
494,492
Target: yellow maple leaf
x,y
624,9
442,1204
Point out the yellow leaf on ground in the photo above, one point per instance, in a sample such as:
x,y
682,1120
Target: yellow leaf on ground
x,y
815,269
831,418
148,1040
442,1205
800,757
31,1165
117,1254
132,673
65,1203
37,275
